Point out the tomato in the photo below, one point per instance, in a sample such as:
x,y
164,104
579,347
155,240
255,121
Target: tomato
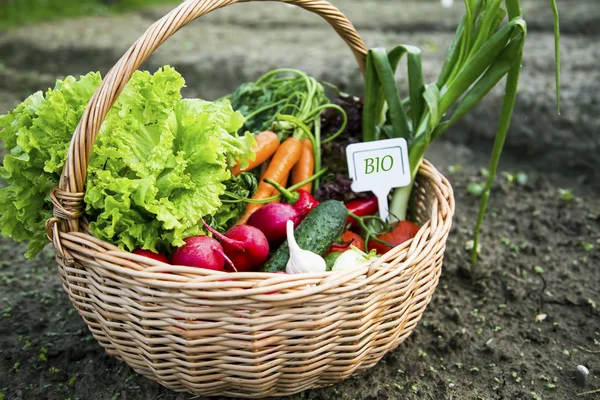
x,y
153,255
348,236
400,233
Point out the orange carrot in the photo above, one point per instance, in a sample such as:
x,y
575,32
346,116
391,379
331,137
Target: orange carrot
x,y
305,167
282,182
267,143
264,167
284,159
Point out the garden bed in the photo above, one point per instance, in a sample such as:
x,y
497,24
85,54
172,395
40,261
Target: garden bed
x,y
478,337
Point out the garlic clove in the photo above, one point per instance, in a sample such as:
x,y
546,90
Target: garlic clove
x,y
301,261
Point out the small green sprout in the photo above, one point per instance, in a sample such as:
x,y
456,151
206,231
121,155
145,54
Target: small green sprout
x,y
16,367
42,356
566,194
469,246
587,246
476,189
538,270
455,168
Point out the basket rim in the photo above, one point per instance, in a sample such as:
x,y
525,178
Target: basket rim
x,y
261,285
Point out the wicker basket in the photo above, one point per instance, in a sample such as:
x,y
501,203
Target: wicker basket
x,y
246,334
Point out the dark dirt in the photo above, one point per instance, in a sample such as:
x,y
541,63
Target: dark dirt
x,y
514,330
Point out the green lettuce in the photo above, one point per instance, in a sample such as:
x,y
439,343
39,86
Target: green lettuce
x,y
36,136
231,210
159,165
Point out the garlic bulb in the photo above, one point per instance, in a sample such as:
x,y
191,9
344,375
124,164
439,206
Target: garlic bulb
x,y
353,258
301,261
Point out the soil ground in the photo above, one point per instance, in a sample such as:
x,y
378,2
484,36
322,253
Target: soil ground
x,y
515,329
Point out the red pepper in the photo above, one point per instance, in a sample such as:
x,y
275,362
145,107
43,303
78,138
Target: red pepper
x,y
301,200
348,239
305,201
362,207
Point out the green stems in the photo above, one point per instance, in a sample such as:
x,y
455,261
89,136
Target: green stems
x,y
289,196
399,203
369,235
237,199
508,104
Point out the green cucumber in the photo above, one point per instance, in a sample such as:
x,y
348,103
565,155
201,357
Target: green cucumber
x,y
330,259
317,232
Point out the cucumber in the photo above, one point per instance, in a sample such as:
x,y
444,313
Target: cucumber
x,y
330,259
317,232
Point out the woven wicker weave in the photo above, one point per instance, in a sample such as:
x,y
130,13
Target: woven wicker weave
x,y
244,334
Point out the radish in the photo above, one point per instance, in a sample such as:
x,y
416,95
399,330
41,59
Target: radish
x,y
271,220
245,245
153,255
202,252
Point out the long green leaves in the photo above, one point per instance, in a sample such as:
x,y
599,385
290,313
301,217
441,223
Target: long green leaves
x,y
483,52
381,92
416,86
478,64
385,73
510,94
487,82
453,55
370,108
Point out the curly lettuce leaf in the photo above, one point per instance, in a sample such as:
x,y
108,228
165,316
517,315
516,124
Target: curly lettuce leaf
x,y
242,186
36,136
160,163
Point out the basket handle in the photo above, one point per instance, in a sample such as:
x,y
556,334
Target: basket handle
x,y
68,196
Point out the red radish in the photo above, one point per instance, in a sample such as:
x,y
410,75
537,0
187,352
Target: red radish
x,y
301,200
245,245
271,220
202,252
153,255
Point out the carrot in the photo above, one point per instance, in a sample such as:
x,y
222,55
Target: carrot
x,y
264,166
282,182
267,143
305,167
284,159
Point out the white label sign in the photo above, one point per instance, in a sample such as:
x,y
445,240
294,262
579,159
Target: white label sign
x,y
379,167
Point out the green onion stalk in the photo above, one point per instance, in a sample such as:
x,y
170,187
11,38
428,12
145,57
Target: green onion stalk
x,y
484,51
